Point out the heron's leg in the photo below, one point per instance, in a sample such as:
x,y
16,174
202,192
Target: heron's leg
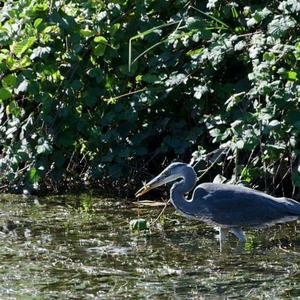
x,y
238,232
223,233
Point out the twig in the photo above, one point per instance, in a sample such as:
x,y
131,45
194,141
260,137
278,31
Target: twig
x,y
126,94
69,164
216,160
207,155
291,170
283,177
3,186
157,44
211,17
236,164
288,251
162,211
141,35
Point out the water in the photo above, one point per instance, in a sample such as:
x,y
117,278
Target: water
x,y
78,247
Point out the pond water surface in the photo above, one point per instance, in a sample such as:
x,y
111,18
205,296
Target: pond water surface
x,y
79,247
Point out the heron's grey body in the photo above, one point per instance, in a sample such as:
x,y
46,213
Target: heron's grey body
x,y
230,207
236,206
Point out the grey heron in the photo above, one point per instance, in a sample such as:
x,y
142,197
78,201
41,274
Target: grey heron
x,y
229,207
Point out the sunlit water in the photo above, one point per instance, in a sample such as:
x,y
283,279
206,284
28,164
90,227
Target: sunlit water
x,y
77,247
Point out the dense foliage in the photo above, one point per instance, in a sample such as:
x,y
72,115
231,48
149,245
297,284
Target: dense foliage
x,y
95,90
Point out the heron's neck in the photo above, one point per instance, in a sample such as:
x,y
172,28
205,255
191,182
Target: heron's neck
x,y
179,189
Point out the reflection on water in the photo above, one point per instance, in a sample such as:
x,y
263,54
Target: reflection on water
x,y
82,248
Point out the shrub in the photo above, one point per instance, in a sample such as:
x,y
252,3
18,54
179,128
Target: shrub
x,y
94,90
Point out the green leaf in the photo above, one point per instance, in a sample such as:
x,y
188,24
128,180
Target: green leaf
x,y
40,7
100,40
99,50
240,144
9,81
87,33
246,175
4,94
268,56
196,52
114,28
260,15
289,6
22,87
13,108
274,123
292,75
44,147
18,48
149,78
215,132
10,131
138,225
200,90
280,25
176,79
195,23
40,52
37,22
33,176
22,63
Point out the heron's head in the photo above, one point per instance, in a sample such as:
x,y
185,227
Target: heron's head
x,y
169,174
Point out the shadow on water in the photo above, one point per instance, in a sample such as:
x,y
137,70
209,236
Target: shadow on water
x,y
81,248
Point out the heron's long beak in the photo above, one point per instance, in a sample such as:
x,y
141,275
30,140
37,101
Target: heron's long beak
x,y
155,182
142,191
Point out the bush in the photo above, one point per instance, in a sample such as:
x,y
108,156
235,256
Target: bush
x,y
104,91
